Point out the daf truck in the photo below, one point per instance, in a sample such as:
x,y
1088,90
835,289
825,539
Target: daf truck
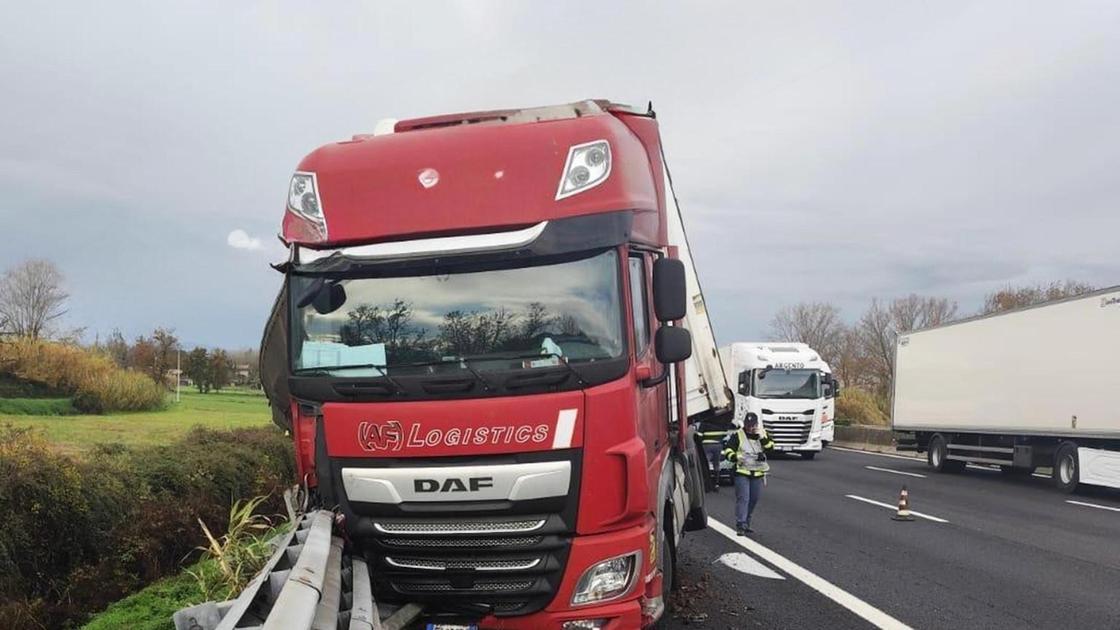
x,y
489,347
789,387
1024,389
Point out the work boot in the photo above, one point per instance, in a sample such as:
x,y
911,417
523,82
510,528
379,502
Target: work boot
x,y
741,531
748,529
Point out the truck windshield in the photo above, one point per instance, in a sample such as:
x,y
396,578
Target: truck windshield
x,y
787,384
500,319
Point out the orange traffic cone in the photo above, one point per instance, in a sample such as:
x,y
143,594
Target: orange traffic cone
x,y
903,506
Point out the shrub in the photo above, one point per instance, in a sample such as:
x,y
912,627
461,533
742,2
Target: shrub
x,y
859,407
238,555
95,382
76,535
120,390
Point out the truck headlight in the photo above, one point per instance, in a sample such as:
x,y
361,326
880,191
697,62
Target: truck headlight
x,y
304,201
606,580
588,165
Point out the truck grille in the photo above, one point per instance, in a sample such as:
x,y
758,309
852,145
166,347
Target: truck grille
x,y
460,564
459,527
788,432
428,564
445,587
434,543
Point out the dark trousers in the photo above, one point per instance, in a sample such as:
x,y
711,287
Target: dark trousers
x,y
747,492
711,452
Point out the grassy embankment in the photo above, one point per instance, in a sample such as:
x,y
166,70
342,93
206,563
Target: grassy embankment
x,y
73,433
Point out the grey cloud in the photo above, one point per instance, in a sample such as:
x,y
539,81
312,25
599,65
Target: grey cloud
x,y
826,151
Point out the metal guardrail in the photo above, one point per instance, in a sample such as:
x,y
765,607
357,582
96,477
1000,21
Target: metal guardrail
x,y
309,583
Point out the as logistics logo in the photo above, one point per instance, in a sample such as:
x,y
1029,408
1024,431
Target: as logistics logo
x,y
390,436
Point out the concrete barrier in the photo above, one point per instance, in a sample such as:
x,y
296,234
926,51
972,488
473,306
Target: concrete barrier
x,y
863,436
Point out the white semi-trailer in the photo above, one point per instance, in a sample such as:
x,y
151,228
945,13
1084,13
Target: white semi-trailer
x,y
1031,388
791,389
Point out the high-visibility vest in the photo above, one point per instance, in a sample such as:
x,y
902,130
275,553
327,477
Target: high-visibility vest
x,y
713,437
749,460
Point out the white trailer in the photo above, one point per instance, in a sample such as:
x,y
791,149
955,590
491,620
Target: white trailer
x,y
707,391
789,387
1029,388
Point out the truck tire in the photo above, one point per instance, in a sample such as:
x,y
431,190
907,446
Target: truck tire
x,y
937,456
1067,473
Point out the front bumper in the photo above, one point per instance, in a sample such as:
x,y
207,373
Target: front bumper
x,y
622,613
814,443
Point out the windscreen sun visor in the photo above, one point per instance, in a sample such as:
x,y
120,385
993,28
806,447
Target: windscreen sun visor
x,y
541,240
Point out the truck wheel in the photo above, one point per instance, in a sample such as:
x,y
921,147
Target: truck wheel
x,y
1067,472
936,452
808,454
937,455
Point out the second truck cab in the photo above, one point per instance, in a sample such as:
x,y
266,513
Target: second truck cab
x,y
789,387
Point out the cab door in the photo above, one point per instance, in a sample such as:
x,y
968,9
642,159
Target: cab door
x,y
651,401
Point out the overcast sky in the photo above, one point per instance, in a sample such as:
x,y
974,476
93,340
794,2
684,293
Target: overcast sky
x,y
828,151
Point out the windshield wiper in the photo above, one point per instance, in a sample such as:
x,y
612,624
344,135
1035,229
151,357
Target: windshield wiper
x,y
530,355
383,371
486,386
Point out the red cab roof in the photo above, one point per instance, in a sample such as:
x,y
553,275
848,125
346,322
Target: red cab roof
x,y
479,172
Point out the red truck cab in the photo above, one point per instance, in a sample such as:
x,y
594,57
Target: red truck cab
x,y
477,352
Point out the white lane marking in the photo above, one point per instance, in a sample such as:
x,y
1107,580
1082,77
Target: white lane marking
x,y
565,425
743,563
897,472
895,507
868,612
891,455
1094,505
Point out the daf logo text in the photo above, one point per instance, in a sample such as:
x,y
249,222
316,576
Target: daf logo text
x,y
453,484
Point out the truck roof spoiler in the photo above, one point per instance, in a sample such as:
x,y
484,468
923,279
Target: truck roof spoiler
x,y
578,109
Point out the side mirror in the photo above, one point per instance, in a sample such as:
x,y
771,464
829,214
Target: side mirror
x,y
745,383
835,388
670,296
330,299
672,344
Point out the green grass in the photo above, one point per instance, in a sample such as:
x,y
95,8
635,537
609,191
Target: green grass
x,y
37,407
151,608
228,409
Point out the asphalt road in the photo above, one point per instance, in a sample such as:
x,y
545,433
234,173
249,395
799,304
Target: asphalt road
x,y
1005,552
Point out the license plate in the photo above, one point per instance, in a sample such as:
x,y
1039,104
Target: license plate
x,y
451,626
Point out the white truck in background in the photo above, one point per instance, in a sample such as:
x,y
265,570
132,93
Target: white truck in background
x,y
1030,388
789,387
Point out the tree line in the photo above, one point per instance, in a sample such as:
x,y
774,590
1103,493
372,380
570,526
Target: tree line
x,y
33,301
161,356
461,333
861,353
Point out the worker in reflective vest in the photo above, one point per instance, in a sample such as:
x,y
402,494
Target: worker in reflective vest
x,y
746,449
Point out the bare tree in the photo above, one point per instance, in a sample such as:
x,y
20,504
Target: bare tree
x,y
31,298
815,323
1009,297
882,323
851,362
